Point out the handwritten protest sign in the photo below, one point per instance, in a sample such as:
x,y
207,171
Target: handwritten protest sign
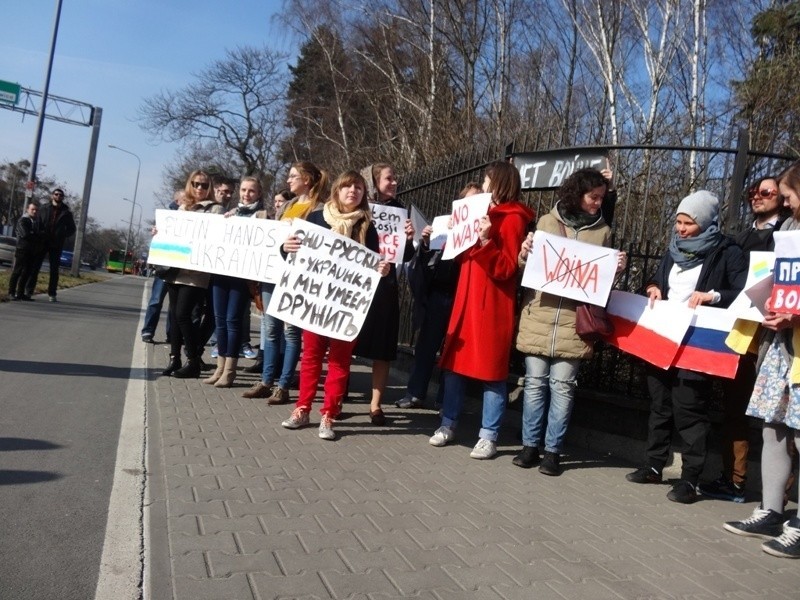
x,y
749,304
439,232
548,169
390,223
418,222
466,218
237,246
571,269
786,291
328,285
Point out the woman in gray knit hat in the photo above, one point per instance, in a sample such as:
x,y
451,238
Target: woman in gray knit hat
x,y
702,266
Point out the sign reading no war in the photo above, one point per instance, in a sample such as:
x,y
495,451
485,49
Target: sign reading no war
x,y
328,285
242,247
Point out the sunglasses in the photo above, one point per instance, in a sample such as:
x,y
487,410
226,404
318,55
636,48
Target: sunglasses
x,y
768,193
57,194
203,185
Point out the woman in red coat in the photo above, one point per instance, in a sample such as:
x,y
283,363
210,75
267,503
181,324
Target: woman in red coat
x,y
478,342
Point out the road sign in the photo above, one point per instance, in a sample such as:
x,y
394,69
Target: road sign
x,y
9,92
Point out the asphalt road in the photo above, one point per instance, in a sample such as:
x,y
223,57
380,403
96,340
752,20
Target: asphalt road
x,y
64,370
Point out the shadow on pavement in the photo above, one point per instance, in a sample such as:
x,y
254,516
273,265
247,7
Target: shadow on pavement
x,y
71,369
10,477
8,444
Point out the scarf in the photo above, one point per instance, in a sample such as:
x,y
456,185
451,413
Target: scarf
x,y
690,252
343,223
578,220
247,210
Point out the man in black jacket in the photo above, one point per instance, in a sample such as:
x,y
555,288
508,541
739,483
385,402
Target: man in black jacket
x,y
29,238
58,225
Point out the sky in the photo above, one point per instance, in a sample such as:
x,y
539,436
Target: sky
x,y
113,54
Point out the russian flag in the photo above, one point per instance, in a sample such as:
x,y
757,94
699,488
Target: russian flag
x,y
673,335
704,349
652,334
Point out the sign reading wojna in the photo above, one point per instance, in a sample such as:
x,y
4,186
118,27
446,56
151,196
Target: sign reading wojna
x,y
548,170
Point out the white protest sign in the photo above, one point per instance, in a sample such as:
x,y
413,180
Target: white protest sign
x,y
565,267
439,233
328,285
390,223
466,217
749,304
243,247
418,222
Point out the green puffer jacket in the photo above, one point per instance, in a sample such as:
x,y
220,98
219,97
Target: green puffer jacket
x,y
547,322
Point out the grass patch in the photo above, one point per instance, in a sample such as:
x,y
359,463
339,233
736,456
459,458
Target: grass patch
x,y
64,281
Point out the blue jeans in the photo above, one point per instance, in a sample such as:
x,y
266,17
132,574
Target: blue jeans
x,y
229,295
274,332
555,378
431,334
153,312
494,404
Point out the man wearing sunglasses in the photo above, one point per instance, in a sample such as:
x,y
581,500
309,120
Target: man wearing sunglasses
x,y
57,225
766,204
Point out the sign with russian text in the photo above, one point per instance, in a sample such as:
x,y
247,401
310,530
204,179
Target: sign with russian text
x,y
243,247
465,220
328,285
565,267
390,223
548,170
785,296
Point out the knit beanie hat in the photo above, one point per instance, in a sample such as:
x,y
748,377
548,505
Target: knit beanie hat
x,y
702,207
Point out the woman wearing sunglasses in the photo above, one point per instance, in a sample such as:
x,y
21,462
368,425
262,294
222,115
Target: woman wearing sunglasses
x,y
187,288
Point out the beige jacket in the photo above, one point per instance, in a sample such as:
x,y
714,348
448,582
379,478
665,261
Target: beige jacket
x,y
547,322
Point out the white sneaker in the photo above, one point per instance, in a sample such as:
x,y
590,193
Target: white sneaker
x,y
326,428
441,437
484,449
408,401
298,419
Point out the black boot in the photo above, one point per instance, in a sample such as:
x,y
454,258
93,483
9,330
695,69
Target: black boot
x,y
191,370
258,366
174,365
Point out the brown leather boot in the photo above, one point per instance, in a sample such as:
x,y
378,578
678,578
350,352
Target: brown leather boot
x,y
228,374
214,377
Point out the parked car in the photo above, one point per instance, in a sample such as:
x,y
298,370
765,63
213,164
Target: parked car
x,y
65,261
8,246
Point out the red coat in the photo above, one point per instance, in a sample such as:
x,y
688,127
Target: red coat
x,y
481,328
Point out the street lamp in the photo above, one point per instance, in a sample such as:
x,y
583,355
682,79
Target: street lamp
x,y
138,229
135,189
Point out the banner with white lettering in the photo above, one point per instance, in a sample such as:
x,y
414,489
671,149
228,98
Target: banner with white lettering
x,y
548,170
465,221
786,291
390,223
328,285
565,267
243,247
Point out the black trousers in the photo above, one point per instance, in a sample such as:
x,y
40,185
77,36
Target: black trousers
x,y
24,265
182,301
682,404
53,254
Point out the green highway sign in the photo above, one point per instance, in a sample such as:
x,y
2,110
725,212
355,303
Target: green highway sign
x,y
9,92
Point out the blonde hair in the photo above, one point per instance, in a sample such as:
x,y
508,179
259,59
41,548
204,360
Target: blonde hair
x,y
190,194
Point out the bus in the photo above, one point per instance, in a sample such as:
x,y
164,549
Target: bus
x,y
115,259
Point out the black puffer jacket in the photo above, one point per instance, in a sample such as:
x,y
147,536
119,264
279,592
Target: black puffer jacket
x,y
57,222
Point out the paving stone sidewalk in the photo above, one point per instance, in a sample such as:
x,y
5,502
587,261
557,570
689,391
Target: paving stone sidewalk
x,y
240,508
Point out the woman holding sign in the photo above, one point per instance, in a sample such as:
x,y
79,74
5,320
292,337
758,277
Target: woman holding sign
x,y
703,266
346,213
309,185
547,334
231,298
187,288
378,337
481,327
776,401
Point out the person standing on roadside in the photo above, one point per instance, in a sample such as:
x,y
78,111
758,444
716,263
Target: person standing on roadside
x,y
57,225
29,233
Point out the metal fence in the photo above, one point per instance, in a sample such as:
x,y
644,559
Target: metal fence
x,y
650,181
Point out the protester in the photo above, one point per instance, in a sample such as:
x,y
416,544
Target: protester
x,y
231,297
766,204
433,285
776,401
58,224
547,325
346,213
223,192
481,327
186,288
702,266
29,241
309,185
378,338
